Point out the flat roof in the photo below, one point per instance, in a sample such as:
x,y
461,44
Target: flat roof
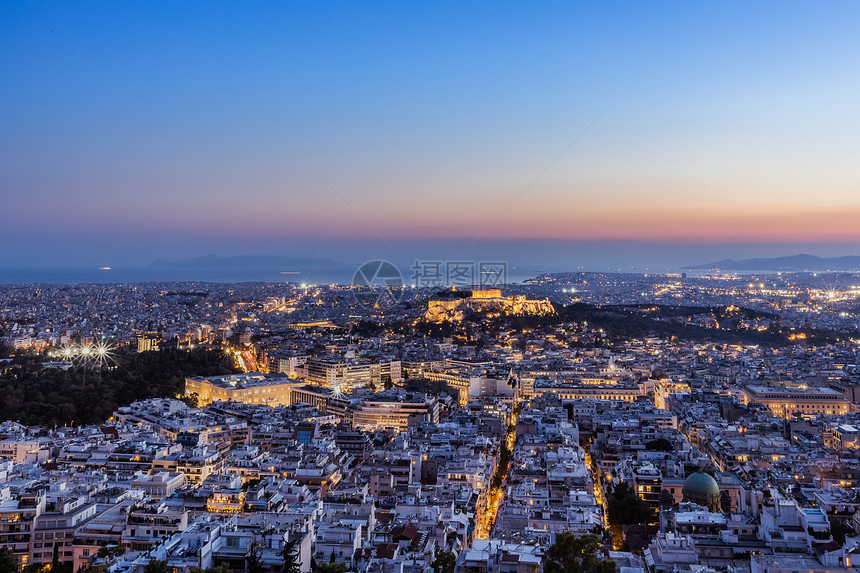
x,y
790,390
249,380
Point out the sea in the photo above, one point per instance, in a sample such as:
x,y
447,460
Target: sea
x,y
168,275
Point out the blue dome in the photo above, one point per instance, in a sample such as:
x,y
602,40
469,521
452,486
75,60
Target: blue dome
x,y
700,486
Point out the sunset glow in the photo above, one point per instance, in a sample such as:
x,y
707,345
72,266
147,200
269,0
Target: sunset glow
x,y
367,124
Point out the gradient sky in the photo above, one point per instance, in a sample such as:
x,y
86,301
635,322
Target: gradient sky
x,y
136,130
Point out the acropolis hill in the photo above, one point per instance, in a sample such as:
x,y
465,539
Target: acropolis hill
x,y
485,301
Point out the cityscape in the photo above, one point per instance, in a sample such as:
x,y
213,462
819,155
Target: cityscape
x,y
668,422
452,287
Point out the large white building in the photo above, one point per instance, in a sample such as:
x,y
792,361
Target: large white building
x,y
346,374
608,390
394,410
786,401
251,388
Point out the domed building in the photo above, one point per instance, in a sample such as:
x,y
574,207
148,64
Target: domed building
x,y
702,489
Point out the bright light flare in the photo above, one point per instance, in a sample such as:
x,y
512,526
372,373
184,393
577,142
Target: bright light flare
x,y
101,353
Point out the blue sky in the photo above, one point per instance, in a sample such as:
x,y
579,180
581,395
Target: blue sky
x,y
134,130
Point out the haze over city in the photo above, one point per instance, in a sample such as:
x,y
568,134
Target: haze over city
x,y
390,130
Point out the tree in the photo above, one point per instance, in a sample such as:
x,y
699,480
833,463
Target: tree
x,y
220,568
725,502
251,484
34,395
8,562
659,445
444,563
156,566
666,498
330,568
573,554
625,507
253,561
839,529
55,558
501,466
452,538
290,554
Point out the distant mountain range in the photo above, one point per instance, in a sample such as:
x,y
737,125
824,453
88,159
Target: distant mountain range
x,y
267,262
794,263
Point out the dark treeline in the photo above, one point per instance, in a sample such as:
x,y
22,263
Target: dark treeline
x,y
622,322
720,312
33,395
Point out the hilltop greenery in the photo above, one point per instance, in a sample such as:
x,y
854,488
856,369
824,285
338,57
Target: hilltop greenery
x,y
623,322
33,395
635,322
